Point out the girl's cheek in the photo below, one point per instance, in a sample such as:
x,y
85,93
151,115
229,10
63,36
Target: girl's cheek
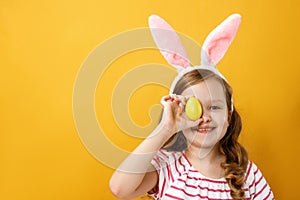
x,y
221,117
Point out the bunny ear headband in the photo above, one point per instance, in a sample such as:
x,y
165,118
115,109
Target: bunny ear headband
x,y
213,49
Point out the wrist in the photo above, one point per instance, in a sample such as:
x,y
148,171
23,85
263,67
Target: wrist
x,y
163,131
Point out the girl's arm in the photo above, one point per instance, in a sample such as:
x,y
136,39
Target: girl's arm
x,y
136,175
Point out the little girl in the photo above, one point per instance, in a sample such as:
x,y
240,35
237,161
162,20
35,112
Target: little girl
x,y
200,159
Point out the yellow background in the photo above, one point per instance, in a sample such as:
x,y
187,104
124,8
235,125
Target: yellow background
x,y
44,43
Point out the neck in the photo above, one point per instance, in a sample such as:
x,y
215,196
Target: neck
x,y
207,160
205,155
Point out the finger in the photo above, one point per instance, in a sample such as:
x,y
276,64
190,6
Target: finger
x,y
164,99
167,111
172,95
191,123
175,100
179,98
182,98
182,101
181,107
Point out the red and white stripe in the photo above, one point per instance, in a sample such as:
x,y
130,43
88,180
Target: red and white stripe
x,y
178,179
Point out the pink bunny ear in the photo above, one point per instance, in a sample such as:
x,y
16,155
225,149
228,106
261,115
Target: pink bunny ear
x,y
219,40
168,42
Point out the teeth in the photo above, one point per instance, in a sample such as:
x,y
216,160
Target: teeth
x,y
204,129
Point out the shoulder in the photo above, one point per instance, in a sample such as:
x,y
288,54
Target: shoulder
x,y
165,163
164,157
252,172
256,183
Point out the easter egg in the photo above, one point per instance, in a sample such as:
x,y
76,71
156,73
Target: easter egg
x,y
193,109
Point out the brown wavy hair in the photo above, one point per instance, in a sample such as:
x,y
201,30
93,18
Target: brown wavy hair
x,y
236,156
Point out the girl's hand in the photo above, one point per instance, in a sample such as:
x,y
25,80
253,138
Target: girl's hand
x,y
174,118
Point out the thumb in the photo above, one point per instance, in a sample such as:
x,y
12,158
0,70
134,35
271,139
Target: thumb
x,y
191,123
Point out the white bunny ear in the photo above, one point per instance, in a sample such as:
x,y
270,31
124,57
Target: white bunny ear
x,y
219,40
168,42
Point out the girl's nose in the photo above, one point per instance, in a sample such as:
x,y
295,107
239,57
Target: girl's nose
x,y
206,117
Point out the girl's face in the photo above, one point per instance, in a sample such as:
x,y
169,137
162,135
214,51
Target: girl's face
x,y
212,96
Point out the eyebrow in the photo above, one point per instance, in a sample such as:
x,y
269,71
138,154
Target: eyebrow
x,y
216,100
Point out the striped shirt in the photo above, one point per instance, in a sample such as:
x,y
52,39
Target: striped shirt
x,y
178,179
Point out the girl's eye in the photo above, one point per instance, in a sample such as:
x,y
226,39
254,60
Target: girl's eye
x,y
214,107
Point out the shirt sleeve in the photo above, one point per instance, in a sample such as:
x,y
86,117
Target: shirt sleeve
x,y
161,162
259,188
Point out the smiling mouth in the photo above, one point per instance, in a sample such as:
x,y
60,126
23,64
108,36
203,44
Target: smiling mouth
x,y
203,130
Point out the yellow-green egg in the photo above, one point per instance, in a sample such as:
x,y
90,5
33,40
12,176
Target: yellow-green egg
x,y
193,109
